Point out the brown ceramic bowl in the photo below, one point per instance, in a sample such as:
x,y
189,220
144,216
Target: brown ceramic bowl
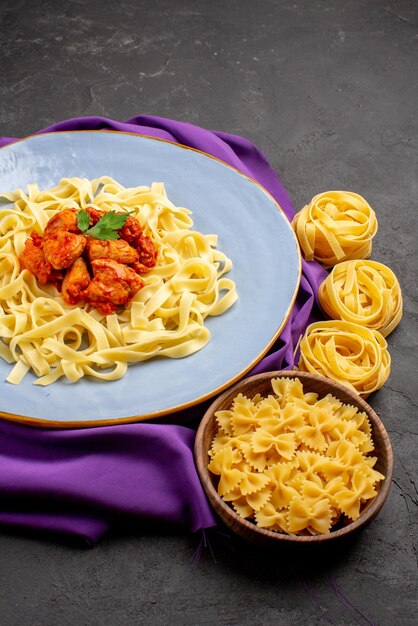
x,y
311,383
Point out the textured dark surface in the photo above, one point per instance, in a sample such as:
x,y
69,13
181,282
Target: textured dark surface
x,y
328,90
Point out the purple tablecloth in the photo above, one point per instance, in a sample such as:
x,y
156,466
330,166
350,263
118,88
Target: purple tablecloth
x,y
83,482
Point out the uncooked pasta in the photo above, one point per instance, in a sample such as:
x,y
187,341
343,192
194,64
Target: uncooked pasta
x,y
292,462
336,226
363,292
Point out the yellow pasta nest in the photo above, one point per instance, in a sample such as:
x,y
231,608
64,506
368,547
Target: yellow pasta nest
x,y
351,354
294,463
363,292
336,226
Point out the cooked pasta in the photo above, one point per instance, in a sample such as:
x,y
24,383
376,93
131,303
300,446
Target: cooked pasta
x,y
336,226
351,354
293,463
363,292
42,333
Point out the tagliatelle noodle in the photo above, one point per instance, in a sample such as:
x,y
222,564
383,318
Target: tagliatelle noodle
x,y
303,487
363,292
351,354
41,333
336,226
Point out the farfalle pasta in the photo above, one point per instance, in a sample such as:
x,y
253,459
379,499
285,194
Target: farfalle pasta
x,y
293,463
363,292
351,354
336,226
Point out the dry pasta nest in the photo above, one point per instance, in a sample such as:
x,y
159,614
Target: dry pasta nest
x,y
363,292
336,226
353,355
293,463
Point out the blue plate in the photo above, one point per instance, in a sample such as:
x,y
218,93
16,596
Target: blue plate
x,y
253,232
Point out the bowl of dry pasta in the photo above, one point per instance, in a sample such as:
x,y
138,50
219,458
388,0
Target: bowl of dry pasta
x,y
293,457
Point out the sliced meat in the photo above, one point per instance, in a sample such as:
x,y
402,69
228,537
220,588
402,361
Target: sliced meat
x,y
131,230
33,259
113,285
62,248
76,281
65,220
117,250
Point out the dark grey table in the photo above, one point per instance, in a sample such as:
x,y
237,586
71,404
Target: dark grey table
x,y
328,90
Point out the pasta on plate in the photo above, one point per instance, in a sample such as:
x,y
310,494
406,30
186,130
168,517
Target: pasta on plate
x,y
42,333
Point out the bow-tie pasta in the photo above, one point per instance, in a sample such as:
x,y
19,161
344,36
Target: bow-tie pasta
x,y
293,463
336,226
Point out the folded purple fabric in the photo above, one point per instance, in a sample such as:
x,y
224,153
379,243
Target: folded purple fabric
x,y
78,481
83,482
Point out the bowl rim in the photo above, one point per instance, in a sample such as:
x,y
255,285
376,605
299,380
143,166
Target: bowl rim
x,y
372,508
